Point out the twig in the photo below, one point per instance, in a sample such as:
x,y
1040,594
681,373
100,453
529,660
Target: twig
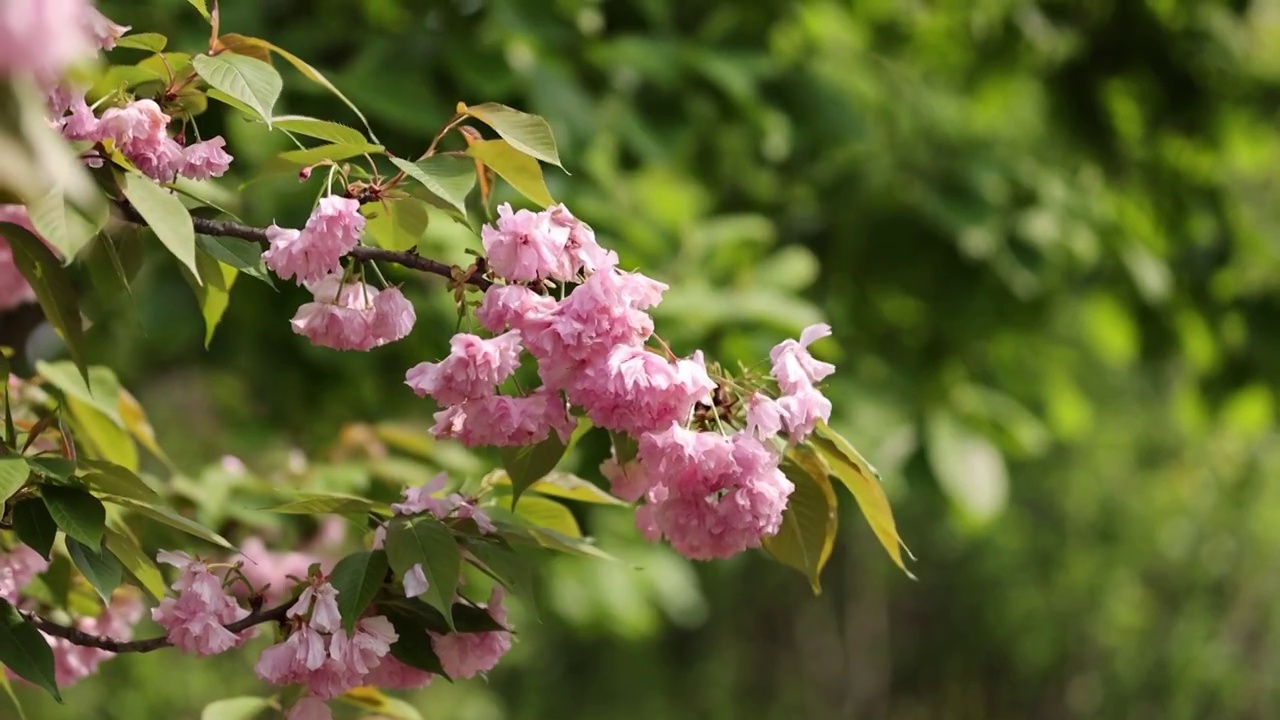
x,y
405,258
84,639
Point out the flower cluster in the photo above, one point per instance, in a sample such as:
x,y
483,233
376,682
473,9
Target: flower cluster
x,y
320,655
424,499
465,655
194,620
14,289
41,38
315,252
353,315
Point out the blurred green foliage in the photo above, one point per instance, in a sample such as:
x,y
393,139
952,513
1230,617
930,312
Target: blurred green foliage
x,y
1045,233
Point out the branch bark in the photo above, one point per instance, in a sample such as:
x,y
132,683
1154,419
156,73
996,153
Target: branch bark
x,y
406,258
84,639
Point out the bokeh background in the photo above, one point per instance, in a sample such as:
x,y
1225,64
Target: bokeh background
x,y
1047,236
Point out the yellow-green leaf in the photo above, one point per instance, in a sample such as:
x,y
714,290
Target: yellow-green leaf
x,y
448,178
372,700
104,435
63,226
547,513
528,133
850,468
320,129
137,562
213,291
165,215
397,224
249,80
521,171
809,524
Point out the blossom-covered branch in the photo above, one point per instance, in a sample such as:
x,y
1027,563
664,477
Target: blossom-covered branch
x,y
84,639
406,258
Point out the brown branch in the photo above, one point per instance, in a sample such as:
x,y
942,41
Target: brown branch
x,y
406,258
84,639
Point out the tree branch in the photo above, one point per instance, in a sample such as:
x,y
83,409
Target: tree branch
x,y
228,228
84,639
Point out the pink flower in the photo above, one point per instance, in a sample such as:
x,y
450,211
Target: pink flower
x,y
320,599
81,124
18,567
309,708
523,245
513,306
793,367
472,369
40,38
764,416
204,160
415,581
316,252
628,481
194,620
581,252
635,390
503,421
464,655
424,499
802,410
139,131
715,496
348,316
393,316
104,32
329,664
395,675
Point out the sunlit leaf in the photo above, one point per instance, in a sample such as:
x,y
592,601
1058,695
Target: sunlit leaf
x,y
13,475
135,419
547,513
104,438
328,503
165,215
848,466
320,129
240,254
396,224
13,697
213,291
114,479
62,225
372,700
528,133
136,561
317,77
521,171
172,519
101,391
331,151
809,524
155,42
203,8
448,178
238,708
249,80
562,485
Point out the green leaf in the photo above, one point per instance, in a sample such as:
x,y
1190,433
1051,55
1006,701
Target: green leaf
x,y
448,178
240,254
528,133
562,485
13,697
35,526
331,151
165,215
320,129
809,523
357,578
137,562
104,438
203,9
505,565
326,503
135,419
13,475
625,447
213,291
101,390
521,171
422,539
372,700
513,529
546,513
413,646
239,708
155,42
108,477
53,288
100,568
79,514
397,225
52,466
249,80
317,77
61,225
24,650
850,468
172,519
528,464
